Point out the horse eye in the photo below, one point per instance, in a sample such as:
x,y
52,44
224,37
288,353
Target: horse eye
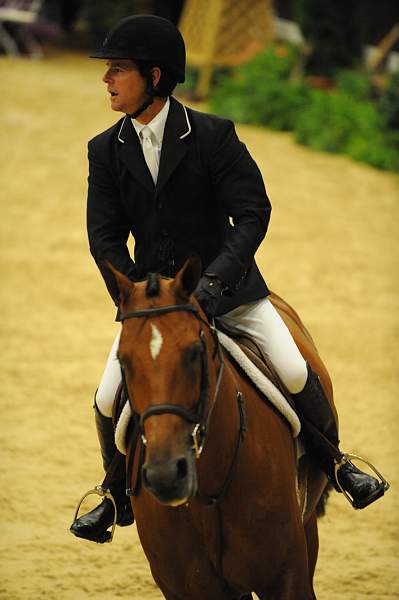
x,y
192,354
126,366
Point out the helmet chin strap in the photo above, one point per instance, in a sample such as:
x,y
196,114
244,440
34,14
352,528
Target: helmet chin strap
x,y
150,99
142,108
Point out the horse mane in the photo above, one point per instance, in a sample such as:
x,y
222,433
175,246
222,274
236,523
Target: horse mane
x,y
152,288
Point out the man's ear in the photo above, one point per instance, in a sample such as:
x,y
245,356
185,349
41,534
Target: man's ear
x,y
155,76
119,286
188,277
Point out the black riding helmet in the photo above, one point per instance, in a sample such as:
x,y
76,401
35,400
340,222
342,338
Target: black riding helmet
x,y
150,41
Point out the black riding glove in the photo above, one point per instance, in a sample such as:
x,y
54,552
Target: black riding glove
x,y
209,293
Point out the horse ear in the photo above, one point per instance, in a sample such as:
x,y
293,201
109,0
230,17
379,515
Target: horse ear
x,y
119,286
188,277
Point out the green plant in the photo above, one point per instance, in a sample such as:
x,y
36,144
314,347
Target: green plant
x,y
355,84
337,122
347,119
378,151
259,91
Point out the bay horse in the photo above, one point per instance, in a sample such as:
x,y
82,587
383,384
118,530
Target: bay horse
x,y
218,512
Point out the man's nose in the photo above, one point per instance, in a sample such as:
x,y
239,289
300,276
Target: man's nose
x,y
106,77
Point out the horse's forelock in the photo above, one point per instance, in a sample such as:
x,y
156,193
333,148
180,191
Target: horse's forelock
x,y
152,288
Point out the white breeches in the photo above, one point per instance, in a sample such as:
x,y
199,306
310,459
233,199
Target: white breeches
x,y
110,381
264,325
261,321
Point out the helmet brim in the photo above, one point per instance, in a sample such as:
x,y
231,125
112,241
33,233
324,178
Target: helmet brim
x,y
111,54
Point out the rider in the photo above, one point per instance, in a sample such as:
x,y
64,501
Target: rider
x,y
182,183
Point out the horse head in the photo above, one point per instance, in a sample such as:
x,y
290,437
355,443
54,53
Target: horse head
x,y
165,350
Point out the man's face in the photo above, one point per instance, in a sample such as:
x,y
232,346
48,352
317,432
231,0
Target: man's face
x,y
125,85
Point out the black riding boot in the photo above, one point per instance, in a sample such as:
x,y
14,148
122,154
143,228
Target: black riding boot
x,y
317,420
94,524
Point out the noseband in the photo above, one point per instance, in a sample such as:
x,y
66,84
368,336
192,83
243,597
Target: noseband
x,y
199,416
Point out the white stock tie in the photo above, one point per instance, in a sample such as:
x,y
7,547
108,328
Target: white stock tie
x,y
150,153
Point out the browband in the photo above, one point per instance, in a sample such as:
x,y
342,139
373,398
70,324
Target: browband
x,y
160,310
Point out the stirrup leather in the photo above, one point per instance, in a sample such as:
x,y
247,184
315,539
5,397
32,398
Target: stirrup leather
x,y
346,457
104,493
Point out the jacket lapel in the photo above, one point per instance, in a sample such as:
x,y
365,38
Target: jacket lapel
x,y
174,147
132,155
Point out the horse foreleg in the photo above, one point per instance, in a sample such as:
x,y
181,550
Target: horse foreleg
x,y
292,584
286,592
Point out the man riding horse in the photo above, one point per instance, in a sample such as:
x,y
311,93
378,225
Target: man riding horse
x,y
182,183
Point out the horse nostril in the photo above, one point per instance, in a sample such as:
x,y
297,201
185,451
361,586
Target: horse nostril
x,y
166,475
182,468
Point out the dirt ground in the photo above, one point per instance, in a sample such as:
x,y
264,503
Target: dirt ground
x,y
332,251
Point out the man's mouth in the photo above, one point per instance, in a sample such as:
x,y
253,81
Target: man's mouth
x,y
113,94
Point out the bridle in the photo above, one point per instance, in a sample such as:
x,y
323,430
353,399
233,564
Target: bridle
x,y
201,414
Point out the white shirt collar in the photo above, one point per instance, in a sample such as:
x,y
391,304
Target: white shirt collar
x,y
157,125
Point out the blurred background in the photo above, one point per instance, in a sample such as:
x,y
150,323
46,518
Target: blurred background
x,y
327,71
313,87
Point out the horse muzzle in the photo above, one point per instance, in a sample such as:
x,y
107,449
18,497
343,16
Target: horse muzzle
x,y
172,480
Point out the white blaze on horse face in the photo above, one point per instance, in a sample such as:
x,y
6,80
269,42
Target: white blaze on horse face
x,y
156,341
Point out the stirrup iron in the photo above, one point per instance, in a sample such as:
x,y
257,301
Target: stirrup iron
x,y
346,457
104,493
